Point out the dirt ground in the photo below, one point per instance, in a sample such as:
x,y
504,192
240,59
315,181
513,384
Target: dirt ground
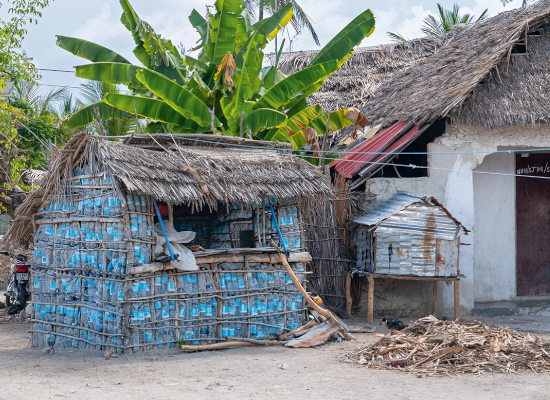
x,y
240,373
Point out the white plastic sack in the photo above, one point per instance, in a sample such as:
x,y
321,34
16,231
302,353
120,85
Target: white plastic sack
x,y
186,261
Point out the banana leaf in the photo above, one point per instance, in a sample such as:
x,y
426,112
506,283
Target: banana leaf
x,y
304,95
89,51
130,20
179,98
171,73
110,72
246,80
196,85
337,122
153,109
319,123
291,131
269,27
283,92
195,64
267,77
262,119
341,46
199,23
86,115
224,29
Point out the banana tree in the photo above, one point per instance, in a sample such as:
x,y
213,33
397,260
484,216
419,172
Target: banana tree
x,y
225,89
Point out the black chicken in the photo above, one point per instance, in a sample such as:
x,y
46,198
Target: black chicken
x,y
393,323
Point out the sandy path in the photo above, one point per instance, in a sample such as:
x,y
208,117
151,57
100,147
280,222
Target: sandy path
x,y
243,373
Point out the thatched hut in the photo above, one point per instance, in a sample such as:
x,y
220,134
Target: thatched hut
x,y
158,239
468,124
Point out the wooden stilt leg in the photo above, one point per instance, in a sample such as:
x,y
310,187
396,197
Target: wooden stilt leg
x,y
457,301
434,313
349,301
370,309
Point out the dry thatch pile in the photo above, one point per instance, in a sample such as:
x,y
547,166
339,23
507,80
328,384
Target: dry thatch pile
x,y
432,88
434,347
179,169
355,83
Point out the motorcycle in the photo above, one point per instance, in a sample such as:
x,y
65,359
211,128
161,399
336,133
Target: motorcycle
x,y
18,291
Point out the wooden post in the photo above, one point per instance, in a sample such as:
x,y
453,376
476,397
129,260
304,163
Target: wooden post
x,y
258,233
171,213
457,300
370,306
434,313
349,301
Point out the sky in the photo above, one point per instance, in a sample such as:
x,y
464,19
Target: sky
x,y
98,21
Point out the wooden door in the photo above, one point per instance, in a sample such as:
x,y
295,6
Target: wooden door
x,y
532,224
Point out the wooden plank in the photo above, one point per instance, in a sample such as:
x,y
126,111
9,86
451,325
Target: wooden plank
x,y
315,336
414,277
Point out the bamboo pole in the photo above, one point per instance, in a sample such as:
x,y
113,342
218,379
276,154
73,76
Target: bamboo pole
x,y
216,346
259,342
313,304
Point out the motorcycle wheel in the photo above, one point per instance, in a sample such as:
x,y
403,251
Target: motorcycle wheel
x,y
22,295
8,302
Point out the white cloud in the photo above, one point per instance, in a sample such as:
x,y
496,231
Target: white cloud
x,y
411,27
101,28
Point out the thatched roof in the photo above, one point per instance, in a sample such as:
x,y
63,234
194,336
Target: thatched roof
x,y
433,87
519,97
233,175
472,75
198,170
355,83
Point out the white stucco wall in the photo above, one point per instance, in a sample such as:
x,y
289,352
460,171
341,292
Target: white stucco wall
x,y
485,204
495,226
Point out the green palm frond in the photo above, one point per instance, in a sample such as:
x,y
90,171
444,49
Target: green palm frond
x,y
397,37
446,19
431,26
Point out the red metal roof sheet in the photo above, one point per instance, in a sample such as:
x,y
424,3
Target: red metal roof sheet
x,y
350,163
401,142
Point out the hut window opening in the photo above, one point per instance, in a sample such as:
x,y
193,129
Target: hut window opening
x,y
519,48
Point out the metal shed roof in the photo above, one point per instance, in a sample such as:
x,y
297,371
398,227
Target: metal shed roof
x,y
397,204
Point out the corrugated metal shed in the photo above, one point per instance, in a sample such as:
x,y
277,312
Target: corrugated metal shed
x,y
414,219
410,234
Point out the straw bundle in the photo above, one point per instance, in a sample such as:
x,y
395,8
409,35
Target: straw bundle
x,y
434,347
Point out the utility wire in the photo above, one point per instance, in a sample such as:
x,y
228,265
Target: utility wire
x,y
372,153
55,70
